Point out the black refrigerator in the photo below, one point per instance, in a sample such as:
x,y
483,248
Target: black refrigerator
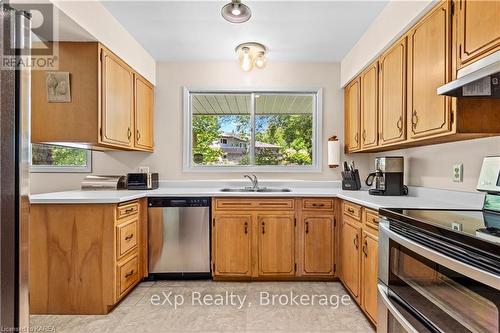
x,y
14,168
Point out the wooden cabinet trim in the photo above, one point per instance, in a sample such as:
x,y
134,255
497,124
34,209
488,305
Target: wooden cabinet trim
x,y
352,116
352,210
126,209
318,254
315,204
127,234
127,272
369,93
143,134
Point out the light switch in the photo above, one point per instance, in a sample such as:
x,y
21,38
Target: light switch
x,y
458,173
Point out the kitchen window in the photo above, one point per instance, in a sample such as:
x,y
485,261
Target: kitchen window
x,y
53,158
254,130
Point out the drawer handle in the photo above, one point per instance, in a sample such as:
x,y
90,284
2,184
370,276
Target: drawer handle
x,y
129,237
307,227
374,220
350,210
318,205
129,274
246,227
263,227
356,241
129,210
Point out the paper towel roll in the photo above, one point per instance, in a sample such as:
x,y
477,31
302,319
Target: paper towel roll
x,y
333,152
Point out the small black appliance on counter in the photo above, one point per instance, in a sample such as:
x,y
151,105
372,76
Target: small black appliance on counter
x,y
388,178
350,178
142,181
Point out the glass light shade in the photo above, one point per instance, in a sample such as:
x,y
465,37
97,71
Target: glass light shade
x,y
260,61
236,12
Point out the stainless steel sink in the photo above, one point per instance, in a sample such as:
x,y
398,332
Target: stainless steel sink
x,y
260,189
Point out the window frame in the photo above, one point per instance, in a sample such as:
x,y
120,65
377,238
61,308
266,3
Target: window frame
x,y
317,139
61,169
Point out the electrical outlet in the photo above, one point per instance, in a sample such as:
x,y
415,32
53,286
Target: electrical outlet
x,y
458,173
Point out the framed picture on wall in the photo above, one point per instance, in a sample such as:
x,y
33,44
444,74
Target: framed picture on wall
x,y
58,87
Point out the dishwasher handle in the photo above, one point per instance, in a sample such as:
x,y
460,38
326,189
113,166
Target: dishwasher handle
x,y
178,203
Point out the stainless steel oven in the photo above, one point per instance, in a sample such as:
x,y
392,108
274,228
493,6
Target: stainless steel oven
x,y
433,278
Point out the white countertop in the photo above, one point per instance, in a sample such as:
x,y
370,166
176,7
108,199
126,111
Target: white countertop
x,y
418,197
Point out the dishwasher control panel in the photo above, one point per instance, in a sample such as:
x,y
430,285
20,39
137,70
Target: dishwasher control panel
x,y
179,202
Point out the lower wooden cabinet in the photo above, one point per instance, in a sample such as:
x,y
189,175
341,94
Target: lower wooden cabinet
x,y
276,244
84,258
351,255
319,244
232,245
273,238
359,258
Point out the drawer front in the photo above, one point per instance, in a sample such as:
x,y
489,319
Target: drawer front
x,y
236,204
371,218
352,210
127,209
127,274
126,234
317,204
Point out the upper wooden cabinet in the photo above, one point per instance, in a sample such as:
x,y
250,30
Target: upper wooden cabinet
x,y
111,106
117,112
429,67
478,30
369,106
410,112
392,94
144,96
352,116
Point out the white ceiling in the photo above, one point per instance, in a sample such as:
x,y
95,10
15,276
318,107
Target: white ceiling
x,y
316,31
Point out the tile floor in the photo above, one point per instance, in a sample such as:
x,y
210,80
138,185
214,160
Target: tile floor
x,y
147,309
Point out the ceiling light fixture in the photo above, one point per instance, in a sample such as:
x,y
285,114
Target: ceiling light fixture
x,y
251,54
236,12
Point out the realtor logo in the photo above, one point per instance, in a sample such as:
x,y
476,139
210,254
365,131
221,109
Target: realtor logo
x,y
29,31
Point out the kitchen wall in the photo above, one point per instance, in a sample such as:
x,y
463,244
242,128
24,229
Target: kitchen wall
x,y
171,77
394,20
431,166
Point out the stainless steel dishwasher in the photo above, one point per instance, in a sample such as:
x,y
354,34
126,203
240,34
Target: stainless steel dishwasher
x,y
179,238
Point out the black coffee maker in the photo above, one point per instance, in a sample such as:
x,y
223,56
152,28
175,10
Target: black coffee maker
x,y
388,178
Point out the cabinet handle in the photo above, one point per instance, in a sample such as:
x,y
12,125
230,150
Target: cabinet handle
x,y
246,228
400,124
356,137
350,210
318,205
138,135
129,133
364,135
365,248
307,227
129,237
129,274
263,227
414,119
129,210
356,241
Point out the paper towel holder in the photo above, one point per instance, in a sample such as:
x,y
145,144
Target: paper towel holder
x,y
333,152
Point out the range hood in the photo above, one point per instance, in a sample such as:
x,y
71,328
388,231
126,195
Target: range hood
x,y
479,79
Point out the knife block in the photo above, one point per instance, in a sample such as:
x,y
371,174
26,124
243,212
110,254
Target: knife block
x,y
351,180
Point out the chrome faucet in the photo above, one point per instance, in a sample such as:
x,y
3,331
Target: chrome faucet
x,y
255,182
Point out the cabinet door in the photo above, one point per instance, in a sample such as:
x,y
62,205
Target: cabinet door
x,y
117,101
429,68
352,116
318,255
478,30
232,245
144,95
369,107
276,244
369,269
392,94
350,255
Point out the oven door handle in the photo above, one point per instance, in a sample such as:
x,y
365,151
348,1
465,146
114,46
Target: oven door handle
x,y
450,263
384,295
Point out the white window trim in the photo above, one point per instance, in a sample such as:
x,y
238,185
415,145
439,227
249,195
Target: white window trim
x,y
62,169
317,140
